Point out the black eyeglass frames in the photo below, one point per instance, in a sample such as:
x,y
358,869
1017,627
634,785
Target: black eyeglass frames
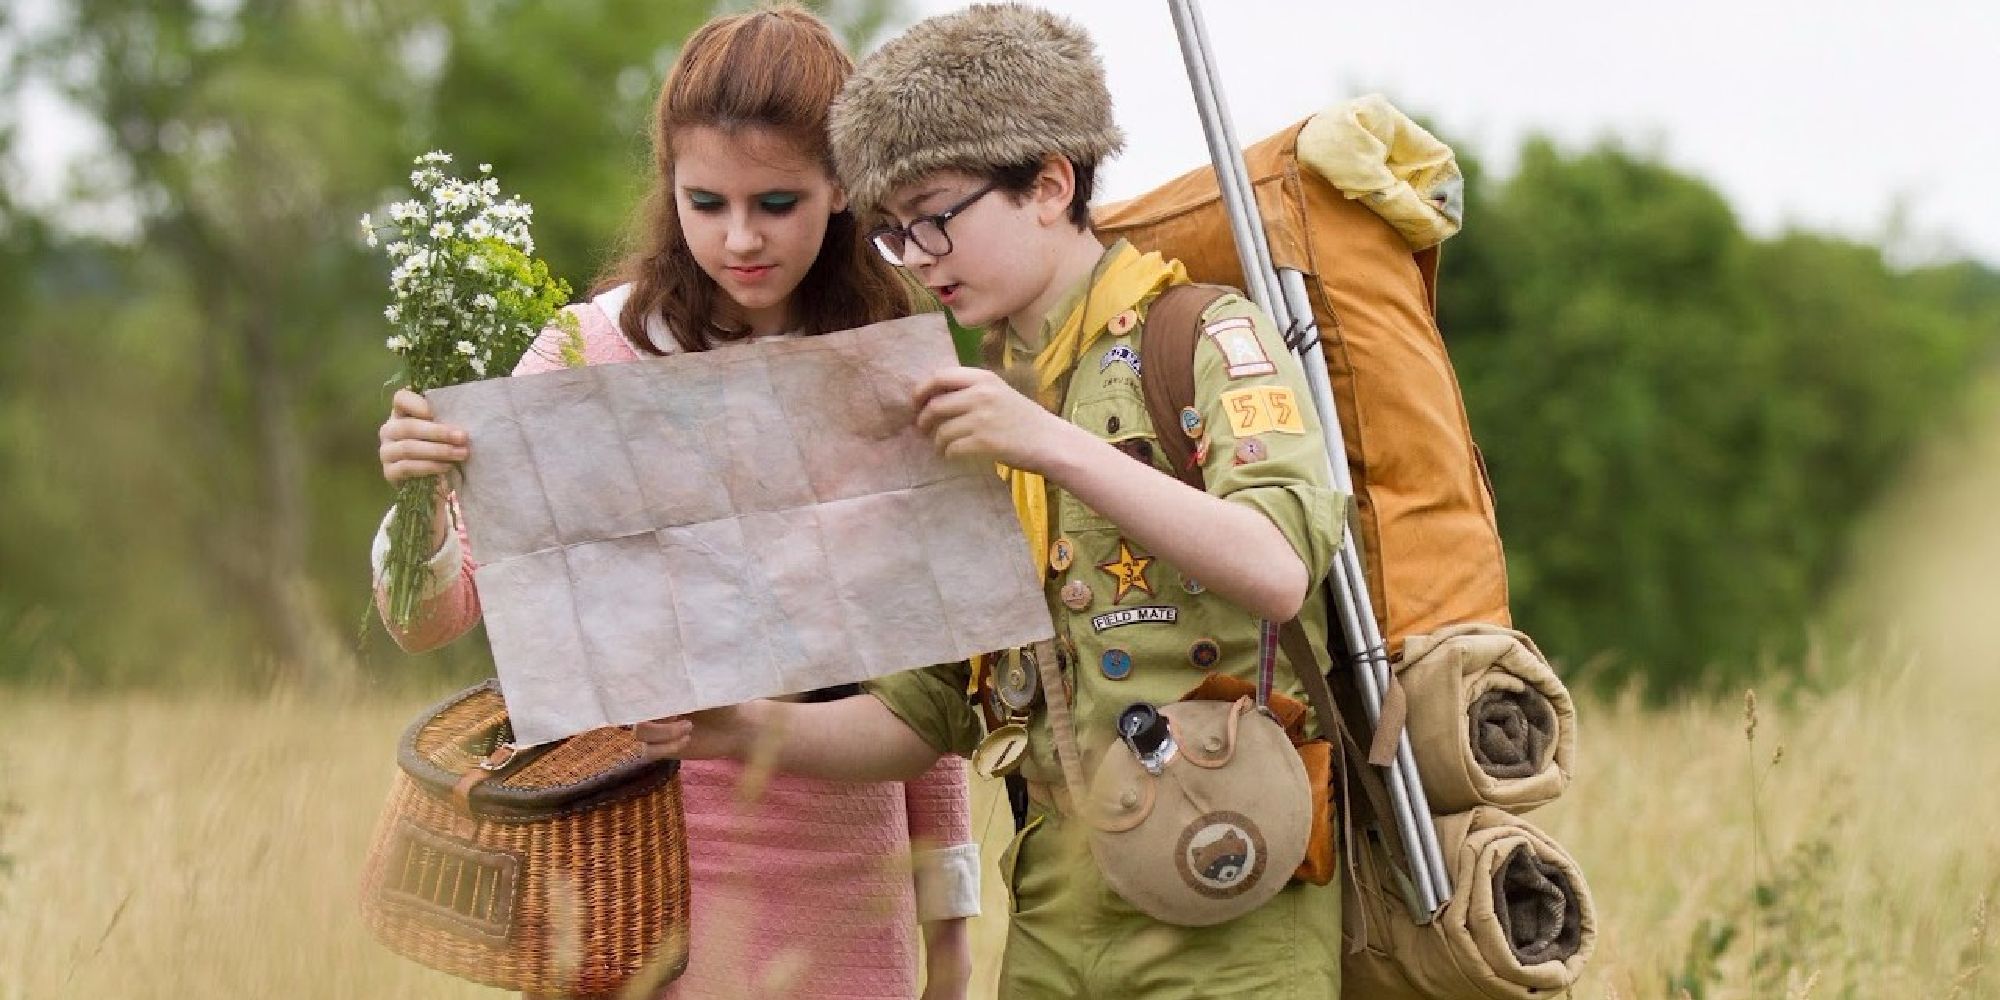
x,y
927,232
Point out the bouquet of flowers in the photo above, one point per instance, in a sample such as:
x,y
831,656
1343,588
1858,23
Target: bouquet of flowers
x,y
467,298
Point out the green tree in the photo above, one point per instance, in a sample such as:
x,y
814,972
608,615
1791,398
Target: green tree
x,y
1684,423
195,407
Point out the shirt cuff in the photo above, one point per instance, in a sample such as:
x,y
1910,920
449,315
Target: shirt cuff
x,y
444,565
947,881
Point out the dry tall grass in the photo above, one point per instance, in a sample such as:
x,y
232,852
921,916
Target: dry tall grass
x,y
208,848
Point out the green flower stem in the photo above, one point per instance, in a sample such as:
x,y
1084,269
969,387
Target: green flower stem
x,y
407,570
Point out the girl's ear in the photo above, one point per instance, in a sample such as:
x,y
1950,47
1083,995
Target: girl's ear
x,y
839,200
1054,186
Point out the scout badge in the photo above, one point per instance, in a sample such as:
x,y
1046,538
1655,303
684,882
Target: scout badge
x,y
1448,895
558,869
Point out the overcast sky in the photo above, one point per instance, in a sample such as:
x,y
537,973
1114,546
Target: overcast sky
x,y
1822,114
1826,115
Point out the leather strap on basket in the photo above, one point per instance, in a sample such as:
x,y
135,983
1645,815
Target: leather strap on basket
x,y
474,776
1166,348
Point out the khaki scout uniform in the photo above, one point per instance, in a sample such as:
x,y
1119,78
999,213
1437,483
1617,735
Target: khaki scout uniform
x,y
1133,628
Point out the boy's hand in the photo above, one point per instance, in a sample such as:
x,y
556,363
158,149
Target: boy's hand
x,y
973,413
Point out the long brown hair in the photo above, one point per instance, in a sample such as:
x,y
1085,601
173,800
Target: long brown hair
x,y
778,69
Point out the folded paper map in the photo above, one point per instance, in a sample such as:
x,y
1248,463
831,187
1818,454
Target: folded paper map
x,y
679,533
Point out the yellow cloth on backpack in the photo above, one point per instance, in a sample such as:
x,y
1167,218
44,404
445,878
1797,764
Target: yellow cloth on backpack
x,y
1375,154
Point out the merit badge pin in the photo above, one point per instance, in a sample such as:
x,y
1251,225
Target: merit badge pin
x,y
1122,354
1200,455
1242,353
1221,854
1075,595
1251,450
1192,424
1062,553
1123,323
1148,615
1204,653
1116,664
1001,751
1130,572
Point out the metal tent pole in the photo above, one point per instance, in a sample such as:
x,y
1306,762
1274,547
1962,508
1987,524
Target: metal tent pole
x,y
1283,294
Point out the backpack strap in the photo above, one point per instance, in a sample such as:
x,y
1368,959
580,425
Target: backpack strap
x,y
1166,349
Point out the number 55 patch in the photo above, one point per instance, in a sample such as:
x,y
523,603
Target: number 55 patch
x,y
1264,409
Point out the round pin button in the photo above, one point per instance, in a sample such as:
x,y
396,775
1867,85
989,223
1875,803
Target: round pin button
x,y
1251,450
1204,653
1061,553
1192,585
1075,595
1123,323
1191,422
1116,664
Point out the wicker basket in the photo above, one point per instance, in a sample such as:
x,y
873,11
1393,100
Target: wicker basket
x,y
561,869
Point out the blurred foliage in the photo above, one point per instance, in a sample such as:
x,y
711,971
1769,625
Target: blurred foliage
x,y
186,416
1684,423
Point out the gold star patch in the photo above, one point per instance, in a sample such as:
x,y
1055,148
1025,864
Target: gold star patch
x,y
1129,570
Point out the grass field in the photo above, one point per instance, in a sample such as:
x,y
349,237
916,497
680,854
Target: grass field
x,y
204,848
208,847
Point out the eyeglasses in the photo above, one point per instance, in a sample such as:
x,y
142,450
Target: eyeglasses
x,y
926,232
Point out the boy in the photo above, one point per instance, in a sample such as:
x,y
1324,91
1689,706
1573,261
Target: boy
x,y
977,136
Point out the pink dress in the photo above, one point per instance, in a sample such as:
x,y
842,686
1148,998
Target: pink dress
x,y
815,888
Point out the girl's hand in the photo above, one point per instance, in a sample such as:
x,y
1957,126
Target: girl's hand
x,y
414,445
973,413
710,734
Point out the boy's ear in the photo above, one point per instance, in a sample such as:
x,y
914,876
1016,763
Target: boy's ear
x,y
1055,185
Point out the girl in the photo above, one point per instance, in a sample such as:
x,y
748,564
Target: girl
x,y
746,236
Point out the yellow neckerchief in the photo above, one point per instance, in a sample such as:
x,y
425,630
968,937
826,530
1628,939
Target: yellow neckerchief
x,y
1122,280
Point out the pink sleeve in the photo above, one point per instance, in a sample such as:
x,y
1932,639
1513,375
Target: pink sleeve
x,y
444,616
939,805
601,342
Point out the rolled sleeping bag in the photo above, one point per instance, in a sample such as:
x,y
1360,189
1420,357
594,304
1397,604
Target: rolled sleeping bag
x,y
1521,925
1489,721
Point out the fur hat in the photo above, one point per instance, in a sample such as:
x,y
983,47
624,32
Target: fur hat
x,y
989,86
